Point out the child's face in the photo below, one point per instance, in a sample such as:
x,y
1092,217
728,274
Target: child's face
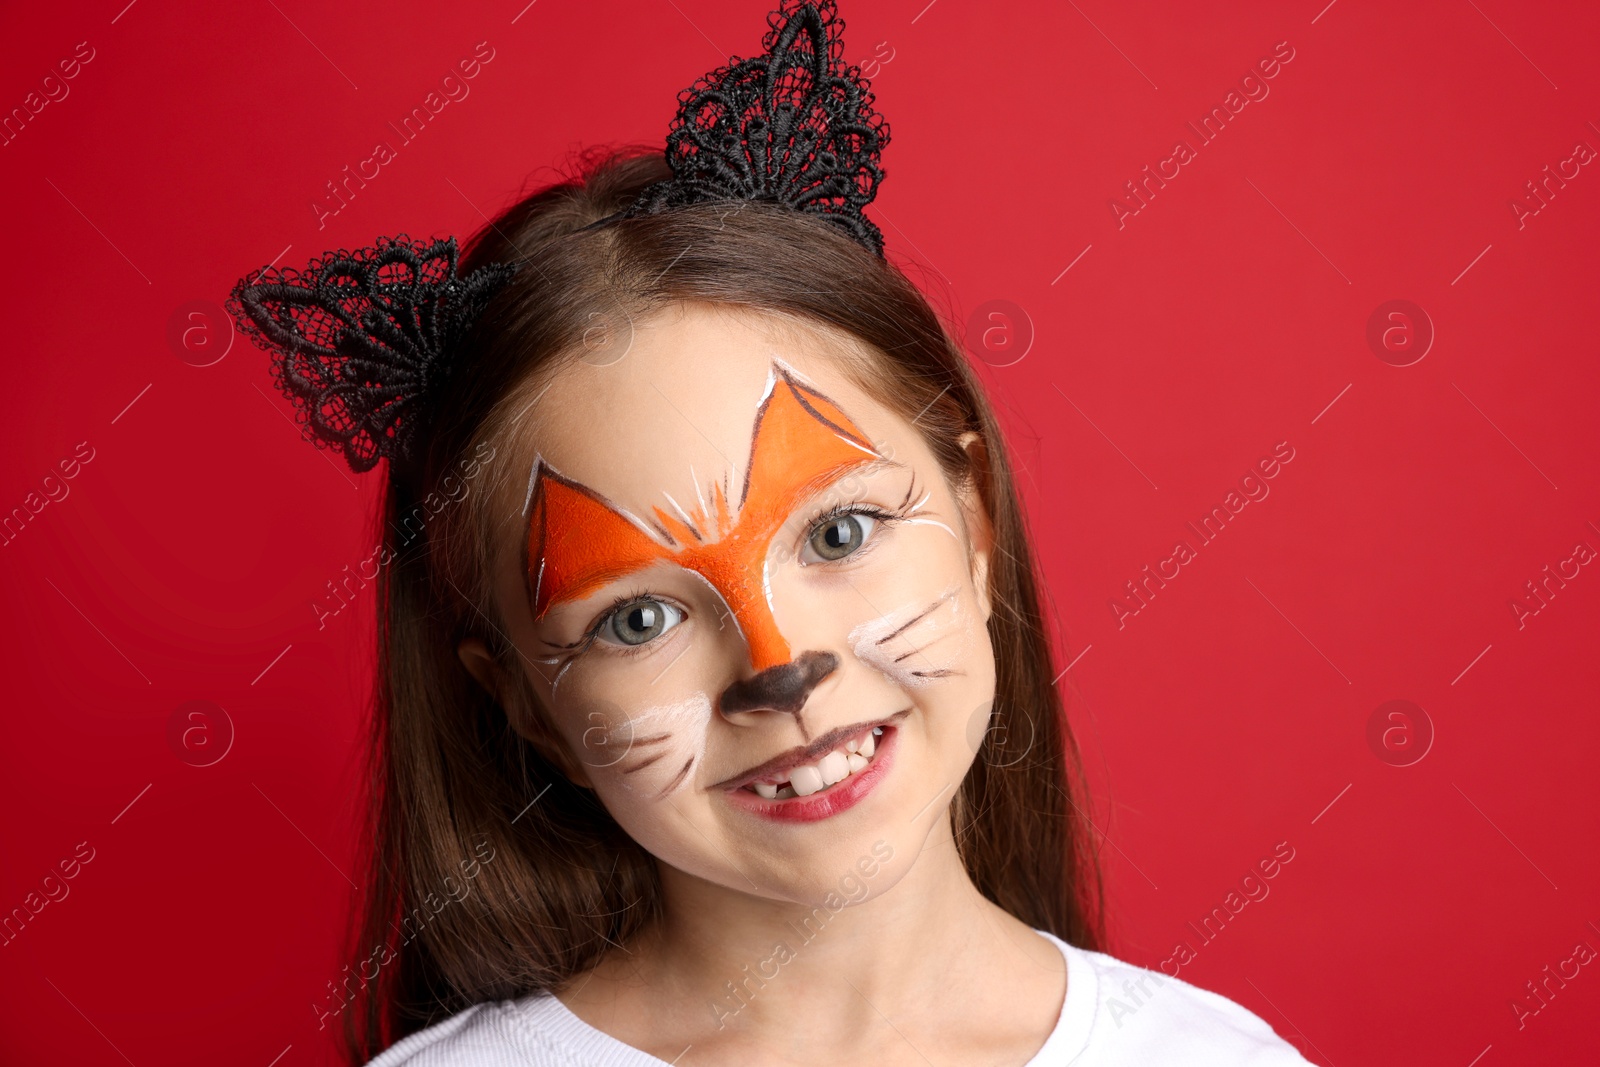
x,y
734,556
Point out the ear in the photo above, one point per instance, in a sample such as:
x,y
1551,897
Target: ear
x,y
480,664
980,527
526,721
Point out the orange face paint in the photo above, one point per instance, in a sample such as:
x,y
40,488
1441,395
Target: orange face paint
x,y
578,541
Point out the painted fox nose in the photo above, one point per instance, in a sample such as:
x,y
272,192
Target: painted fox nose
x,y
784,687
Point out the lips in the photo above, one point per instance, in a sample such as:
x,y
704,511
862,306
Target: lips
x,y
789,807
852,757
818,764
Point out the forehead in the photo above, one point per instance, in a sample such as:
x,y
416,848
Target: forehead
x,y
675,414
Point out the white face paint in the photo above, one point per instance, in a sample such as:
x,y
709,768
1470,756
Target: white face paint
x,y
657,750
913,519
643,722
916,645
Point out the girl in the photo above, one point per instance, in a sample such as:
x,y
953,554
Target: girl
x,y
715,720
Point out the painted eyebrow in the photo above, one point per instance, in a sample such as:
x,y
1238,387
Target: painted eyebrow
x,y
882,463
813,445
822,483
875,466
819,485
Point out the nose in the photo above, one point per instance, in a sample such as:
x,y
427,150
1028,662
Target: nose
x,y
784,687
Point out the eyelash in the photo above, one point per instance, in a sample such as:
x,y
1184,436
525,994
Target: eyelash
x,y
887,516
871,511
592,634
854,507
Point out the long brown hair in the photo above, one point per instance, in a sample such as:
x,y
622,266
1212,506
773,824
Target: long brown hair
x,y
489,874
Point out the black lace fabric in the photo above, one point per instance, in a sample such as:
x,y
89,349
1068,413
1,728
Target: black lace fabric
x,y
360,340
795,125
360,337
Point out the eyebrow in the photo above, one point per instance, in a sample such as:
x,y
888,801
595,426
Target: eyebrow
x,y
871,467
827,479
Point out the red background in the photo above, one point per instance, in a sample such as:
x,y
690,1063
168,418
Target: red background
x,y
1229,714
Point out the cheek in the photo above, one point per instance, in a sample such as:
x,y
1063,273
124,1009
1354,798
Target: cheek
x,y
921,643
667,748
654,765
928,629
644,752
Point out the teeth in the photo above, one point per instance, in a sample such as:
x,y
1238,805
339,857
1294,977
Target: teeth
x,y
831,769
805,780
834,767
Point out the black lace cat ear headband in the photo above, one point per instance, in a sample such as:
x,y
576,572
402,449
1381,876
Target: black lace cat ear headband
x,y
361,338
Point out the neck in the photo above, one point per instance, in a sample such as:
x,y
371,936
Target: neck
x,y
771,965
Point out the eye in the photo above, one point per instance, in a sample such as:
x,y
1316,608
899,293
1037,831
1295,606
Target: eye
x,y
639,621
838,536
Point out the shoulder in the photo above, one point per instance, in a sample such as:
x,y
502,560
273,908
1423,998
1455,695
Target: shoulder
x,y
492,1034
1116,1014
1126,1014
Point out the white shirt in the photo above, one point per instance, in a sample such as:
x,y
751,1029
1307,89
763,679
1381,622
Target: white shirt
x,y
1114,1015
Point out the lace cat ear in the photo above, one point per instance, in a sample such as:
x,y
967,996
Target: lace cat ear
x,y
794,125
359,338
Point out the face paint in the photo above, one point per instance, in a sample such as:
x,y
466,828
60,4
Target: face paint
x,y
655,750
916,645
911,518
579,542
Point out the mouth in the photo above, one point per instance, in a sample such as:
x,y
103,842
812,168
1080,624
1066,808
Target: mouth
x,y
852,757
816,767
849,768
